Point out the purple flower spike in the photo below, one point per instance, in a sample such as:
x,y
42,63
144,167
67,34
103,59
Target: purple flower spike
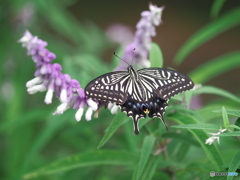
x,y
142,39
50,78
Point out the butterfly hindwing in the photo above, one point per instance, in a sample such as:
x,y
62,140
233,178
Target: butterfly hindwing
x,y
155,107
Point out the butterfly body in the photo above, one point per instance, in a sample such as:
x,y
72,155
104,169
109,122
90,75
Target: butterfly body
x,y
139,93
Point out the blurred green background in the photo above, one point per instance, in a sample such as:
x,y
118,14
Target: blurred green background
x,y
76,31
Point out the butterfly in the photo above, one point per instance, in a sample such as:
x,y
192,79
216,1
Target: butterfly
x,y
139,92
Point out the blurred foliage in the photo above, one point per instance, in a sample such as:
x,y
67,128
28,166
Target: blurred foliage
x,y
37,145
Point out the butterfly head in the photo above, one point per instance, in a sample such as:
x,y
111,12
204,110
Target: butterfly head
x,y
130,69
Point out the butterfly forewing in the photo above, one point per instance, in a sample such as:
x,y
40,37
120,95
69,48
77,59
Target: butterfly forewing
x,y
110,87
165,83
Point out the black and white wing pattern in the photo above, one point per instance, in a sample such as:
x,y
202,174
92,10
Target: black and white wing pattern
x,y
139,93
110,87
166,83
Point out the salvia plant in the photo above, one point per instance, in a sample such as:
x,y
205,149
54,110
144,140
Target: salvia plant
x,y
51,140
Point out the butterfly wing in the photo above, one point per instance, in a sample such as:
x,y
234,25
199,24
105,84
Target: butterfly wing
x,y
110,87
165,82
150,94
138,93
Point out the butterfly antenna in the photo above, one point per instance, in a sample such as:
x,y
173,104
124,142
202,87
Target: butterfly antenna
x,y
133,56
120,58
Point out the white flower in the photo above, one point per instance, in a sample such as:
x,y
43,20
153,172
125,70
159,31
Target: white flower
x,y
211,140
63,95
113,108
110,105
92,104
219,132
36,88
33,82
214,137
48,97
157,12
88,114
26,38
79,114
61,108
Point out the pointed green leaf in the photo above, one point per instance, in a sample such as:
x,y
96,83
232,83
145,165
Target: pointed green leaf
x,y
101,157
232,112
24,119
198,126
215,67
208,32
52,127
146,150
200,135
151,168
236,128
118,120
234,165
181,137
235,133
155,56
216,91
216,7
188,97
237,125
225,117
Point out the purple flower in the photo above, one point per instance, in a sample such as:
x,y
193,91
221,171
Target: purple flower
x,y
48,77
142,39
120,34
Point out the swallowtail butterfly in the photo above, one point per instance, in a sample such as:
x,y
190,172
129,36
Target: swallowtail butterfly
x,y
139,93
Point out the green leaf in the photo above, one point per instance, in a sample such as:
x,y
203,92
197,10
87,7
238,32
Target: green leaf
x,y
101,157
52,127
67,25
143,122
234,165
235,133
232,112
208,32
215,67
188,97
155,56
24,119
206,112
200,135
216,91
198,126
225,117
237,124
151,167
181,138
216,7
118,120
236,128
146,150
